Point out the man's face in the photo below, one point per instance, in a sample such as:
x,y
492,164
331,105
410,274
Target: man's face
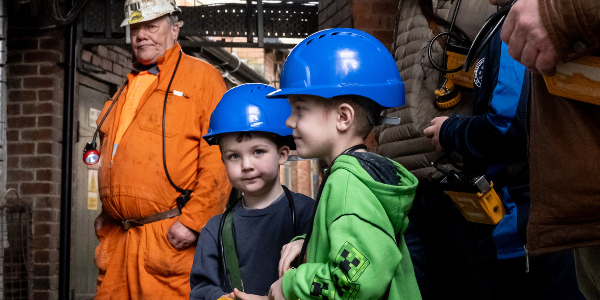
x,y
499,2
150,40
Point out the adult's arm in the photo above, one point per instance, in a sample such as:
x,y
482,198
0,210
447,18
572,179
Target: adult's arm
x,y
542,33
213,188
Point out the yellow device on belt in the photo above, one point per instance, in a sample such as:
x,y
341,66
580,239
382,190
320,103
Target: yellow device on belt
x,y
475,197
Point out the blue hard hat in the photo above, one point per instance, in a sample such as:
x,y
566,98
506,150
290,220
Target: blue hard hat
x,y
342,61
246,108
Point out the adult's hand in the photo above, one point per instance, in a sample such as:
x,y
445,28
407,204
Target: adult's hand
x,y
527,38
180,236
244,296
101,219
276,291
433,132
289,252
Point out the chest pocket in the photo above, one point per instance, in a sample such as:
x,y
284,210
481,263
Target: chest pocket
x,y
179,110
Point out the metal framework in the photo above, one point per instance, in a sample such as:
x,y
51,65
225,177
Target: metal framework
x,y
101,20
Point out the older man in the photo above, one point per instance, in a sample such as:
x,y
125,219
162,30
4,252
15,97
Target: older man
x,y
159,180
564,133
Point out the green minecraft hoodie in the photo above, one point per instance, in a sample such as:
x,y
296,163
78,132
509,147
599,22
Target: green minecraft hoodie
x,y
357,248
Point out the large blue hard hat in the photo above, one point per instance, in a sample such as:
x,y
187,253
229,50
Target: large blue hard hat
x,y
246,108
342,61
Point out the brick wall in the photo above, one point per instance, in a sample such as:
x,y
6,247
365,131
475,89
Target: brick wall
x,y
34,134
375,17
107,63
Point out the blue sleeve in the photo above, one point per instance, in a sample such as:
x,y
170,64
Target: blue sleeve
x,y
487,135
205,279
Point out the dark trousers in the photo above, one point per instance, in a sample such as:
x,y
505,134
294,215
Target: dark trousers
x,y
455,259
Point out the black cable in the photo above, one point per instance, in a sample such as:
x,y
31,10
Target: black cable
x,y
326,174
163,127
106,114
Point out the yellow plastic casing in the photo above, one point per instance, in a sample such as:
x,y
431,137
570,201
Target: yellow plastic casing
x,y
578,80
461,77
485,208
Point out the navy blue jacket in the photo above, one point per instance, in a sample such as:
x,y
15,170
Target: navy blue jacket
x,y
493,141
259,236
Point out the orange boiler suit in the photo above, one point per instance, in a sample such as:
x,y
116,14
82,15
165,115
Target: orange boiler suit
x,y
140,263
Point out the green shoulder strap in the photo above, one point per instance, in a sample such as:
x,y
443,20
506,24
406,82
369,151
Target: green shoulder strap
x,y
231,257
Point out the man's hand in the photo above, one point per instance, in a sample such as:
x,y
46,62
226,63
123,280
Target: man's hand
x,y
276,291
244,296
527,38
101,219
433,132
180,236
230,295
289,252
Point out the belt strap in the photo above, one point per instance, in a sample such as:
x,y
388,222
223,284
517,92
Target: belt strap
x,y
231,257
128,223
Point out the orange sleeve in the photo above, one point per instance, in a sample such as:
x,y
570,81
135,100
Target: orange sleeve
x,y
213,188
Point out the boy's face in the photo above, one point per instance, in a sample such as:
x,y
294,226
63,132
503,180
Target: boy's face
x,y
252,164
313,125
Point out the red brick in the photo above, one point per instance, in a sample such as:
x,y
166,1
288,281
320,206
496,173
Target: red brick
x,y
21,148
38,82
41,270
14,83
97,60
44,202
37,134
33,188
361,7
107,64
48,148
43,216
12,161
46,229
50,70
22,96
102,51
19,175
45,95
14,58
15,122
385,7
384,36
52,44
12,135
45,121
45,161
45,242
42,56
13,109
24,44
22,70
39,109
47,175
86,55
41,256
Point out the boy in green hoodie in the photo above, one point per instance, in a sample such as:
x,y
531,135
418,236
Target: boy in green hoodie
x,y
338,81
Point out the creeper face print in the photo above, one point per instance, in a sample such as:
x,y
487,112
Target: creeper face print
x,y
322,289
351,261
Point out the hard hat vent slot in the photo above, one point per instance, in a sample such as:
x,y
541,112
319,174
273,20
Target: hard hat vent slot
x,y
309,42
322,36
335,33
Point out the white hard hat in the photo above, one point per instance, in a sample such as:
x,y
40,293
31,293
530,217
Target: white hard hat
x,y
145,10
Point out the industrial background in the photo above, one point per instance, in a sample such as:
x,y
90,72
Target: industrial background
x,y
61,59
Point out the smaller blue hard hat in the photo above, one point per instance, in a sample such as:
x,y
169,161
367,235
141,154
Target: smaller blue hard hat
x,y
246,108
342,61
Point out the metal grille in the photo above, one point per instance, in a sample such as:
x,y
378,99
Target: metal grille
x,y
15,239
280,20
